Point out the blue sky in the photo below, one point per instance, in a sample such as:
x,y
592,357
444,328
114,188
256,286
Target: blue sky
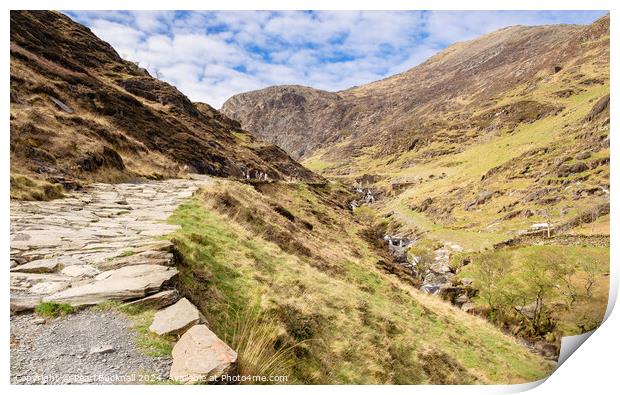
x,y
212,55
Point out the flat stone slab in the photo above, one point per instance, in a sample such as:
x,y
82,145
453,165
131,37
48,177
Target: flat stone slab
x,y
39,266
200,356
80,271
157,301
175,319
48,287
24,303
122,284
140,258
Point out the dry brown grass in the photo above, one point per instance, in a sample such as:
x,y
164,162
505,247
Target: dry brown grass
x,y
257,341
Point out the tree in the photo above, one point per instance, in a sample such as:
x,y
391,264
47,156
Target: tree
x,y
565,273
591,270
491,273
538,285
423,254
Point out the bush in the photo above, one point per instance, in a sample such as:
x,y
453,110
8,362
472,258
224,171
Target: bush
x,y
424,252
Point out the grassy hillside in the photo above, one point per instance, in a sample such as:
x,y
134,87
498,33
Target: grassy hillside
x,y
534,151
294,255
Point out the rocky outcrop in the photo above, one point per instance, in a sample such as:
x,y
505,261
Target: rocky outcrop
x,y
200,356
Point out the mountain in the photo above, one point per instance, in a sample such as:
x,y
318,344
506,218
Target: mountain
x,y
438,96
489,135
80,113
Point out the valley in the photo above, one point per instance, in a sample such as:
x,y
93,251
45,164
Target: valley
x,y
489,158
446,225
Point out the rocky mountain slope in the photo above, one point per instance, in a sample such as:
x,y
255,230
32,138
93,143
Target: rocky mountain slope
x,y
80,113
406,111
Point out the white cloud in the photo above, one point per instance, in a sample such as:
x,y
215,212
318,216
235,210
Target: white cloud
x,y
212,55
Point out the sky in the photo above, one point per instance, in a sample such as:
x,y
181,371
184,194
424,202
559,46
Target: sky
x,y
213,55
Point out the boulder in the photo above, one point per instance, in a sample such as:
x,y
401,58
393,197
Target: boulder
x,y
583,155
430,288
200,356
467,281
568,169
157,301
127,283
461,299
175,319
480,199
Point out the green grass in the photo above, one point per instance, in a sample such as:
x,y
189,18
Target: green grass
x,y
150,343
317,164
53,309
345,320
126,253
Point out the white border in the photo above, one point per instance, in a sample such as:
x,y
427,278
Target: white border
x,y
592,369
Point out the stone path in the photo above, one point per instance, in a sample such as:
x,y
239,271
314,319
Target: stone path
x,y
107,231
97,245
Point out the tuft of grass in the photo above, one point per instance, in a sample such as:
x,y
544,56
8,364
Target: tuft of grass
x,y
126,253
25,188
256,340
53,309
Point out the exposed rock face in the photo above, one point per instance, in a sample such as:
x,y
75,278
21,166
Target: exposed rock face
x,y
406,111
200,356
175,319
80,112
290,116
